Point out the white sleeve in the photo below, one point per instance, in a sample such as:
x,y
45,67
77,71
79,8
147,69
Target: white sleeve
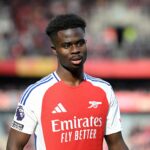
x,y
113,122
24,120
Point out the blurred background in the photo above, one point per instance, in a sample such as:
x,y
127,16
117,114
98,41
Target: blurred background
x,y
118,40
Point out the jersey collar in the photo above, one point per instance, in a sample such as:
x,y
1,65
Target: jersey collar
x,y
55,75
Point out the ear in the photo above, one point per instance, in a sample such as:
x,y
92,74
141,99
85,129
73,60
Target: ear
x,y
53,50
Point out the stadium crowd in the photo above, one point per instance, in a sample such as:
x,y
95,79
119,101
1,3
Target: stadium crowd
x,y
115,30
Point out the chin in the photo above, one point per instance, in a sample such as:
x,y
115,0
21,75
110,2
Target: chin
x,y
76,68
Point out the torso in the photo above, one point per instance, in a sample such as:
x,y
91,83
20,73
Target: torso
x,y
66,117
74,116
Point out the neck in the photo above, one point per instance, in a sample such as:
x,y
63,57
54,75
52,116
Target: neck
x,y
71,77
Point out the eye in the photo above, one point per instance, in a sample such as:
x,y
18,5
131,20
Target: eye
x,y
66,45
80,43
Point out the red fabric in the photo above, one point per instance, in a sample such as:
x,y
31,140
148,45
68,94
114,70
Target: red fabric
x,y
79,127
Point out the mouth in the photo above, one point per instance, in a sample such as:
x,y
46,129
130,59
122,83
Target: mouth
x,y
76,60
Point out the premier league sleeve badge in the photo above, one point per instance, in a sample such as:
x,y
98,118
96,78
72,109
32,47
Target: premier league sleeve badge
x,y
20,113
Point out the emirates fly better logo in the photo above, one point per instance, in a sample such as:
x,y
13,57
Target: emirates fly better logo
x,y
75,129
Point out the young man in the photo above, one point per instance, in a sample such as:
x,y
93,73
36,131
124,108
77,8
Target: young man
x,y
68,109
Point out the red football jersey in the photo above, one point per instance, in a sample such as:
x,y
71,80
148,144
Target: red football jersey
x,y
68,117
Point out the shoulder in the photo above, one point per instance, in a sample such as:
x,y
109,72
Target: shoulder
x,y
104,85
100,83
96,81
38,88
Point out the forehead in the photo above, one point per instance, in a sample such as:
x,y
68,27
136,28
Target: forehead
x,y
70,34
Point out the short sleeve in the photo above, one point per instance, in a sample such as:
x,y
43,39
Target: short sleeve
x,y
24,119
113,122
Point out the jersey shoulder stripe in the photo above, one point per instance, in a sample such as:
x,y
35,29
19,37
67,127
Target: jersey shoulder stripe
x,y
94,79
33,86
35,140
55,76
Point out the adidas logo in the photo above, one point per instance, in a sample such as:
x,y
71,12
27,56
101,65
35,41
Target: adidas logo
x,y
59,109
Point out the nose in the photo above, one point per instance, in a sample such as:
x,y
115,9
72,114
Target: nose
x,y
75,49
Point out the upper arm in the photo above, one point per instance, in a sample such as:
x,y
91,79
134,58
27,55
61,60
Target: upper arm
x,y
115,141
113,134
113,123
17,140
25,119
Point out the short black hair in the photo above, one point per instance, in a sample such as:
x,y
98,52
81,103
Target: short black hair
x,y
63,22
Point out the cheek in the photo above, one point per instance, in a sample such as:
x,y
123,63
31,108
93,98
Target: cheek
x,y
62,58
85,51
62,52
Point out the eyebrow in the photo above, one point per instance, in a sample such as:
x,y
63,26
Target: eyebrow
x,y
74,41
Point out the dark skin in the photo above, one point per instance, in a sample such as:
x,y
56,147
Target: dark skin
x,y
70,49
